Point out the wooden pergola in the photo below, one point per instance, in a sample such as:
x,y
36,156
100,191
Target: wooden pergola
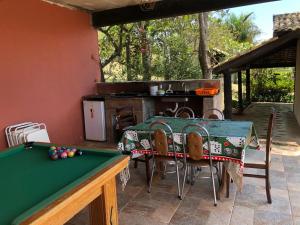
x,y
277,52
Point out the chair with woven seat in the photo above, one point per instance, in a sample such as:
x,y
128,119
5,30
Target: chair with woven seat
x,y
185,112
262,159
214,114
193,152
160,131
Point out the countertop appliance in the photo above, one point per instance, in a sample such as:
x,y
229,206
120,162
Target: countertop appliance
x,y
94,118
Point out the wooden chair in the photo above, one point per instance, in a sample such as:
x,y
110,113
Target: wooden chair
x,y
214,114
124,118
193,146
185,112
262,159
162,148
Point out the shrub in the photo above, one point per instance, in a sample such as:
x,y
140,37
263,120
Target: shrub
x,y
272,85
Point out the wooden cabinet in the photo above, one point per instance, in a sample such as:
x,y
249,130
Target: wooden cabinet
x,y
142,109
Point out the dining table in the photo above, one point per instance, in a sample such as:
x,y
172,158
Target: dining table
x,y
229,140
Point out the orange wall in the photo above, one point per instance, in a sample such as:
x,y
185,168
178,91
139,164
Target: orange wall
x,y
46,65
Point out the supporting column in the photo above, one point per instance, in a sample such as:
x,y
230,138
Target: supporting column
x,y
248,94
227,95
297,85
240,91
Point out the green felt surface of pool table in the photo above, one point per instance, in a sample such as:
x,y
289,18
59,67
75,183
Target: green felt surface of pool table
x,y
30,180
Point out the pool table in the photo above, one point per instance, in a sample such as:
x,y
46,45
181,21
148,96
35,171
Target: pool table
x,y
37,190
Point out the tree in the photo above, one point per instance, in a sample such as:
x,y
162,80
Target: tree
x,y
203,54
170,48
242,26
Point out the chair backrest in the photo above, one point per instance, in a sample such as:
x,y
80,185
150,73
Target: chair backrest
x,y
269,135
161,138
213,113
193,144
185,112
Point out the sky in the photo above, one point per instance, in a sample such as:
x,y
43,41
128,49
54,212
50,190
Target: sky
x,y
263,14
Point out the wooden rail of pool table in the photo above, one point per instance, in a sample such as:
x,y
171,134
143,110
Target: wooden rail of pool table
x,y
99,191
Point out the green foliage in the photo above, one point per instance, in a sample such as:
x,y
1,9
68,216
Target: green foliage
x,y
272,85
242,27
167,49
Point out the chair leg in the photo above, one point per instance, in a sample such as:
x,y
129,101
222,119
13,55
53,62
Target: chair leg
x,y
192,175
164,173
268,186
178,181
213,184
184,178
135,163
151,178
218,174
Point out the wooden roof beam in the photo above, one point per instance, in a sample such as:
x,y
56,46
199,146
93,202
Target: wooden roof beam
x,y
163,9
251,56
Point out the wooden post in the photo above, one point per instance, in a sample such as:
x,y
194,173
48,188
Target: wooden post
x,y
240,91
227,95
248,94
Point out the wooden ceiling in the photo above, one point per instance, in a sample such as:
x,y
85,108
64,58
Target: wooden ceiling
x,y
112,12
97,5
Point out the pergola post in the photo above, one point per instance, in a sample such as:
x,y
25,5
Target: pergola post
x,y
248,94
240,91
227,94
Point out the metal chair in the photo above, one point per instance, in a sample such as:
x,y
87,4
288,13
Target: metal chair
x,y
162,149
210,114
262,159
193,146
185,112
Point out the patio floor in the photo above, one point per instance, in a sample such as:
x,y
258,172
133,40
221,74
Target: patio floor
x,y
162,207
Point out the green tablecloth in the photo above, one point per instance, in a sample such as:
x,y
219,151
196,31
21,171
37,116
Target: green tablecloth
x,y
229,139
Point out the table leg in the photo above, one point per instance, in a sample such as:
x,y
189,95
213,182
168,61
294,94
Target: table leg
x,y
104,209
147,158
227,184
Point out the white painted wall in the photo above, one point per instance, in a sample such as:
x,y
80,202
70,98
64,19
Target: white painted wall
x,y
297,85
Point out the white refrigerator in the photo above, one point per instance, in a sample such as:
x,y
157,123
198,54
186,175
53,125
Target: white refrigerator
x,y
94,120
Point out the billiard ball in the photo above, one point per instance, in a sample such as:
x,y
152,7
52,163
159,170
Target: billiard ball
x,y
71,154
63,155
78,152
52,152
52,148
54,157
